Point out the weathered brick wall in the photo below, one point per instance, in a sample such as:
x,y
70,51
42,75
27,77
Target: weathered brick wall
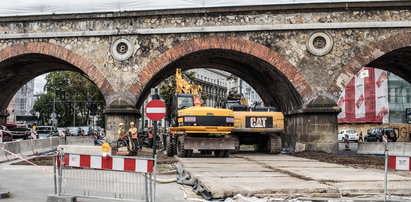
x,y
311,75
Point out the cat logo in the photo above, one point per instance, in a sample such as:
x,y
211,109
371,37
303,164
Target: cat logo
x,y
258,122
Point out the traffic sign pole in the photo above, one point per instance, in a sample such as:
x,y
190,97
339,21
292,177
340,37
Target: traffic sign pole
x,y
155,110
155,139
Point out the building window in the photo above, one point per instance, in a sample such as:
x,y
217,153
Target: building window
x,y
408,95
393,95
22,103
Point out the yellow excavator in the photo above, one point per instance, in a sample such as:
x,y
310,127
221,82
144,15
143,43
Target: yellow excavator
x,y
194,127
259,126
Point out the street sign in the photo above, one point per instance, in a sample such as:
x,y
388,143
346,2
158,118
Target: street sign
x,y
156,110
53,115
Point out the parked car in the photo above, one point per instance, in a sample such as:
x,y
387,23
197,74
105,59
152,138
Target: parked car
x,y
5,135
19,131
83,130
73,131
376,134
46,131
63,132
352,135
96,131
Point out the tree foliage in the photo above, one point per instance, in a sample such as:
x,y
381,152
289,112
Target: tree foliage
x,y
168,88
70,92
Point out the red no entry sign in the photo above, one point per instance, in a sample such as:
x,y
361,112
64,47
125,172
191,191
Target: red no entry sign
x,y
156,110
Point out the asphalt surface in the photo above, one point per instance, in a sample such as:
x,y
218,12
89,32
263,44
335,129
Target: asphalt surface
x,y
30,183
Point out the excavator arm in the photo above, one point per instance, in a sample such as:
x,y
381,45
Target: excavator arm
x,y
185,85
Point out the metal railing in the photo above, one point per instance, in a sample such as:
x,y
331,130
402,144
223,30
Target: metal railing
x,y
111,177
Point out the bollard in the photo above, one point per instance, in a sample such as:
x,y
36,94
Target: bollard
x,y
385,173
54,171
61,154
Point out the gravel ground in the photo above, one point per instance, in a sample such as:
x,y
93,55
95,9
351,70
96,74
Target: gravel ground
x,y
357,161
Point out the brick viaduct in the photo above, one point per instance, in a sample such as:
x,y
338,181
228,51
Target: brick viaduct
x,y
298,58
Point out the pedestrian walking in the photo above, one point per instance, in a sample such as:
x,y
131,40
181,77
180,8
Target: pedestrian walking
x,y
385,138
134,135
347,142
360,138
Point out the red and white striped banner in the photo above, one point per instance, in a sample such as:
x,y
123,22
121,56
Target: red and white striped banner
x,y
365,98
399,162
109,163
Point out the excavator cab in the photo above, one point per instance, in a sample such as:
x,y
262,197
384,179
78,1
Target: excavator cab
x,y
180,101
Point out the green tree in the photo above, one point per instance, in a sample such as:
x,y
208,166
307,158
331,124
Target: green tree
x,y
71,92
168,88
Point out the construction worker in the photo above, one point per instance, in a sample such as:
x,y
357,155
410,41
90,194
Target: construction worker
x,y
120,132
33,132
134,135
150,136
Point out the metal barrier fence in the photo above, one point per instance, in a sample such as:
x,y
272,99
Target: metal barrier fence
x,y
110,177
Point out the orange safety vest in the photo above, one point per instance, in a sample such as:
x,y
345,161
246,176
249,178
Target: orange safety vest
x,y
150,133
133,132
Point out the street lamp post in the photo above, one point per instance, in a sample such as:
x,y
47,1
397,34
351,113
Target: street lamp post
x,y
74,113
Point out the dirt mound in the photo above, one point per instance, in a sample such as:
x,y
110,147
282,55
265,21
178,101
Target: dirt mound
x,y
357,161
40,161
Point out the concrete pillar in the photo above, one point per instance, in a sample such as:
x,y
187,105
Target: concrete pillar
x,y
314,125
3,117
119,113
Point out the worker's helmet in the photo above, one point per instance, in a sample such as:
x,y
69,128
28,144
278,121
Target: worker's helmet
x,y
132,123
121,124
34,127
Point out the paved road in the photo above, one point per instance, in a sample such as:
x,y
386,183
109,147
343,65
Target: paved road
x,y
29,183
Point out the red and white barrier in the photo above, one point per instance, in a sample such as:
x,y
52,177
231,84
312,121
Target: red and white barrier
x,y
399,163
109,163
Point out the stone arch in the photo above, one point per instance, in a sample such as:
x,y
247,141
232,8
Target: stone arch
x,y
387,54
230,45
31,59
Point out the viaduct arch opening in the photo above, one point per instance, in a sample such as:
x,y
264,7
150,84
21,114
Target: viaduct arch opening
x,y
276,80
23,62
393,56
271,84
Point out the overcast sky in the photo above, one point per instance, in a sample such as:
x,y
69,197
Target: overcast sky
x,y
39,83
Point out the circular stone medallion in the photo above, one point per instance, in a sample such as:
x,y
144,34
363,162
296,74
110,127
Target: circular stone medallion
x,y
319,43
122,49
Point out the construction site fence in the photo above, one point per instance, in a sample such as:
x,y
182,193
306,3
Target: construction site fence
x,y
121,178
